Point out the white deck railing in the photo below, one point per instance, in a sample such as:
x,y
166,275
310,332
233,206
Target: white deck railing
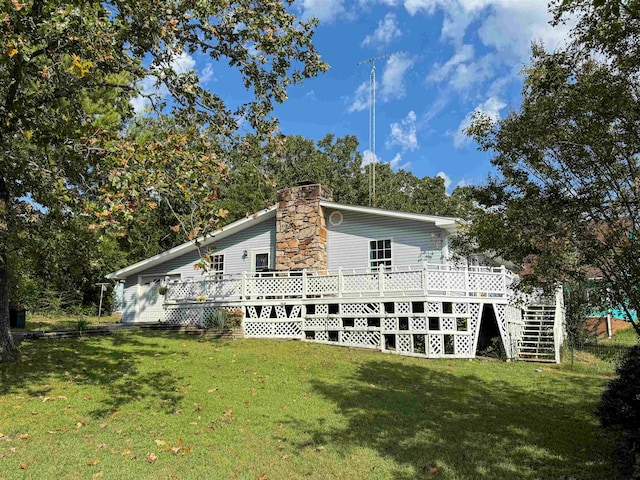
x,y
400,281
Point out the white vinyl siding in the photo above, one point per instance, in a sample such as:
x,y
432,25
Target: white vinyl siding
x,y
261,236
412,242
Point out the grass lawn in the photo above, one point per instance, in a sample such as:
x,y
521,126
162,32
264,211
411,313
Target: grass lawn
x,y
160,406
47,323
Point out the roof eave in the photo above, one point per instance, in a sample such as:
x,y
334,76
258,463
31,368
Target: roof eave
x,y
187,247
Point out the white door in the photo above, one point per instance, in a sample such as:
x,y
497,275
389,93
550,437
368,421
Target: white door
x,y
150,307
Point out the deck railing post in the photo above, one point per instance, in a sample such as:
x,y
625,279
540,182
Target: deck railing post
x,y
504,280
243,286
340,282
467,283
304,283
203,287
381,280
425,287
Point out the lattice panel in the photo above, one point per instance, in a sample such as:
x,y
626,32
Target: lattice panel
x,y
223,288
359,308
403,343
361,338
402,281
463,344
419,324
447,323
434,307
184,290
436,345
315,323
486,282
281,312
251,312
474,316
403,307
442,281
321,285
287,329
322,336
501,317
334,324
364,282
266,311
322,309
360,323
257,329
296,311
461,308
390,324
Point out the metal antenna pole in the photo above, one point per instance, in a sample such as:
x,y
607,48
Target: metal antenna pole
x,y
372,124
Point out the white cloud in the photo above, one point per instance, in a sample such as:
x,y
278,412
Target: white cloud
x,y
442,71
504,28
368,157
323,10
404,134
392,85
149,86
446,178
182,63
207,74
360,98
386,32
491,108
396,163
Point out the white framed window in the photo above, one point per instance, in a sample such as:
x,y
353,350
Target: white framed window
x,y
217,264
380,253
261,260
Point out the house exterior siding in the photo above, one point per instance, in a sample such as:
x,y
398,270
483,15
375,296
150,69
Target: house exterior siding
x,y
412,242
260,236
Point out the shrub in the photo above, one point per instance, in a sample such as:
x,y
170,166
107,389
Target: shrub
x,y
619,409
219,319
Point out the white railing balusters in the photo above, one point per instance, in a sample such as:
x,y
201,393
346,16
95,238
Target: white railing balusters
x,y
425,279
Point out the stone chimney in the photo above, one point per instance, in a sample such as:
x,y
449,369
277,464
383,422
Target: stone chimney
x,y
301,233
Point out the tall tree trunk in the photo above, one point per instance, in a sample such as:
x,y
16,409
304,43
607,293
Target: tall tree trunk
x,y
8,350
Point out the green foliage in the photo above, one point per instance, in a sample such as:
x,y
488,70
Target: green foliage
x,y
619,409
570,156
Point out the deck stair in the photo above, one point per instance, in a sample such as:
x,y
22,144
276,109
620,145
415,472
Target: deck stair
x,y
537,342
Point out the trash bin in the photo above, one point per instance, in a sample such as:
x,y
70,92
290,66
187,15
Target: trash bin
x,y
17,317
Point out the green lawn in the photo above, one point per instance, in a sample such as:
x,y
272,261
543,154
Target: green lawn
x,y
47,323
141,405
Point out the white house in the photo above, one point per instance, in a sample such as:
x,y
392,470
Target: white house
x,y
316,270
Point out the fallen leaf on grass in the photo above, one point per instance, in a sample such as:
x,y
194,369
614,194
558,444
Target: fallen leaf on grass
x,y
284,457
320,448
102,445
13,449
23,466
87,397
211,390
99,474
434,470
160,442
228,412
93,463
103,425
263,477
151,457
24,436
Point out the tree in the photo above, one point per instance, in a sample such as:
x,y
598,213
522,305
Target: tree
x,y
69,70
565,203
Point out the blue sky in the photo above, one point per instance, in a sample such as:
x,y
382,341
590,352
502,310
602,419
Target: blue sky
x,y
450,58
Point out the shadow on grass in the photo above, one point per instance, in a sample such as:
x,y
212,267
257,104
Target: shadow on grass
x,y
112,362
433,423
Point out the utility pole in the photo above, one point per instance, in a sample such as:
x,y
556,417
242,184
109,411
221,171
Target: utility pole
x,y
372,124
103,288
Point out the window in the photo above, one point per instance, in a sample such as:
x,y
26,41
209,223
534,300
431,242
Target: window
x,y
217,264
261,262
379,253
